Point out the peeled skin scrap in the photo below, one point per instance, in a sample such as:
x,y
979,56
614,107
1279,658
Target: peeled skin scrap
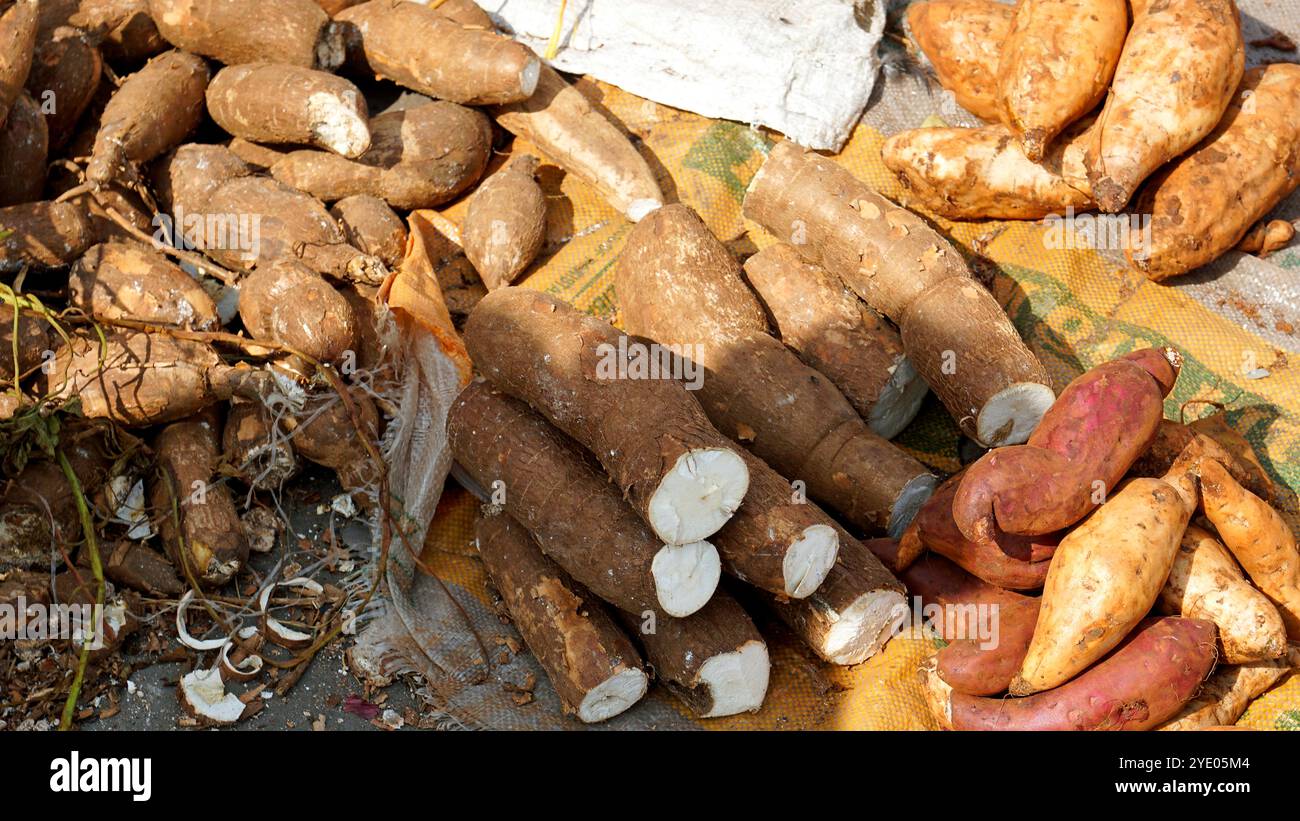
x,y
1181,63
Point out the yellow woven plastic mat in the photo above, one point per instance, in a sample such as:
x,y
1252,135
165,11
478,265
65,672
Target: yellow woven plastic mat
x,y
1074,308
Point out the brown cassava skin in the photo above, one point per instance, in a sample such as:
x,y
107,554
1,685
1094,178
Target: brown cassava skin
x,y
132,564
17,44
1005,560
24,148
896,262
1181,63
372,227
325,433
677,649
832,332
983,173
122,29
189,176
150,114
574,135
1172,438
543,351
556,491
505,223
1206,583
465,12
566,628
252,444
1257,146
968,667
277,103
117,280
333,7
200,529
422,50
963,40
1056,65
418,158
43,235
1105,576
1101,423
1258,537
288,303
1143,683
857,576
1227,693
294,32
67,72
34,338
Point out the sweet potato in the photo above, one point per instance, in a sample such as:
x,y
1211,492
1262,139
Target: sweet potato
x,y
963,39
1226,694
679,286
1143,683
937,580
1257,146
392,38
288,303
24,148
199,525
1105,576
17,44
1056,65
128,281
419,157
43,235
574,135
150,114
593,666
955,333
1181,62
295,32
1102,422
1206,583
983,173
682,476
1172,438
64,77
1258,536
833,332
1266,237
1243,461
979,668
277,103
372,227
505,223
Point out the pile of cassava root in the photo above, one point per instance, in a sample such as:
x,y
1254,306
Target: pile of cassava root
x,y
1140,106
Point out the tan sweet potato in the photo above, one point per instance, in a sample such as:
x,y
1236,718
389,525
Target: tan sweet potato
x,y
963,39
1105,576
1257,146
128,281
1266,237
1180,65
571,133
286,302
295,32
1226,694
1143,683
418,158
1056,65
505,223
17,44
1259,538
1206,583
983,173
371,226
43,235
1207,439
65,75
278,103
24,148
416,47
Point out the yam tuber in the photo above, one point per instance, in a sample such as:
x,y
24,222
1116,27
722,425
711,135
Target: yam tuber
x,y
963,39
294,32
577,137
593,666
505,223
277,103
834,333
680,475
117,280
547,483
1180,65
679,286
954,332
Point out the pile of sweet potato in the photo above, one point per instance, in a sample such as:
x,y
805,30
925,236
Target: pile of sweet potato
x,y
1135,570
1139,107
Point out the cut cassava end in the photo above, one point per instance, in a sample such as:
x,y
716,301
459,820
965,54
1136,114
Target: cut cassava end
x,y
714,660
593,666
680,475
549,484
831,330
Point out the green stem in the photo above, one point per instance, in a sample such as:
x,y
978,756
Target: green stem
x,y
87,528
